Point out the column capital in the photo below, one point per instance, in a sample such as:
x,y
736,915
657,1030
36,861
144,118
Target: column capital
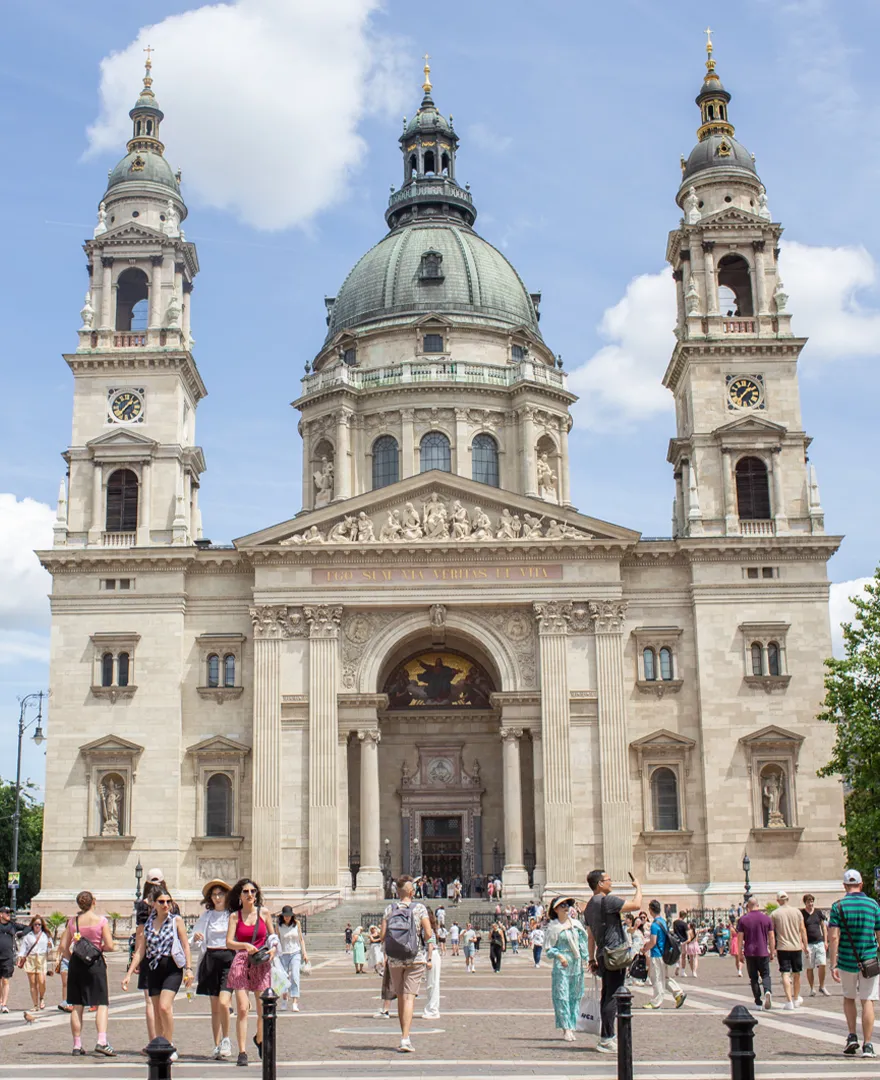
x,y
369,735
344,416
511,734
323,620
607,616
537,735
758,245
272,621
344,737
157,260
107,261
553,616
708,246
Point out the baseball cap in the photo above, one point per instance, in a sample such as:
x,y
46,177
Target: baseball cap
x,y
155,875
782,895
852,877
5,910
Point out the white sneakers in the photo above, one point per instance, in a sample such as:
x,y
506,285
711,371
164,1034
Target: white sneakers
x,y
768,1001
406,1047
798,1001
789,1006
607,1046
225,1049
824,992
812,993
295,1006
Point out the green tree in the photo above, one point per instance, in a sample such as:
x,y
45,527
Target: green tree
x,y
30,840
852,705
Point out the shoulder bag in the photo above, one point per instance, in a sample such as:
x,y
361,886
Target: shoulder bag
x,y
178,955
19,963
617,958
84,950
870,969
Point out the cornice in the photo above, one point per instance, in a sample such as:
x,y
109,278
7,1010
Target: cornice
x,y
140,360
417,390
734,346
95,560
734,548
452,553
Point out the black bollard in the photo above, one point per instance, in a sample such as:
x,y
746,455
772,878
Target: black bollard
x,y
159,1052
624,1034
270,1019
741,1032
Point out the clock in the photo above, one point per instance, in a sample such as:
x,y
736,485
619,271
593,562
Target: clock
x,y
744,391
126,406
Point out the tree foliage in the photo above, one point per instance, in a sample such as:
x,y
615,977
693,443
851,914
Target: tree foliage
x,y
852,705
30,840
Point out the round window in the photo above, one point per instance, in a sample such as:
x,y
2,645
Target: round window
x,y
135,213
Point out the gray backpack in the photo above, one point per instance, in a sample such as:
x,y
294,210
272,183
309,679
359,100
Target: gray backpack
x,y
401,933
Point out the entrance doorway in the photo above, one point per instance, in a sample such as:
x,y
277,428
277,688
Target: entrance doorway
x,y
442,847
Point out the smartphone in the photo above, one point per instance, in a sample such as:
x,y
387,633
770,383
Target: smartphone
x,y
631,878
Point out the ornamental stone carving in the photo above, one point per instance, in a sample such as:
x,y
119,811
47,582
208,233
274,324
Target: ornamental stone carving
x,y
278,621
323,620
509,734
581,620
667,862
518,628
607,616
358,628
371,735
553,616
324,483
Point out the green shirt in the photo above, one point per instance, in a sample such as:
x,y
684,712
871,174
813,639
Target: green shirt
x,y
862,916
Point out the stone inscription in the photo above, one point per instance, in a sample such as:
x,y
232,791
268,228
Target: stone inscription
x,y
437,575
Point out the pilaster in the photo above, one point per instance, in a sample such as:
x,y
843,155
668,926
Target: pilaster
x,y
514,877
370,873
343,872
539,877
323,622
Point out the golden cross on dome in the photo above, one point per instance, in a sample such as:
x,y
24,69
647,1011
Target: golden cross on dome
x,y
426,85
149,50
708,32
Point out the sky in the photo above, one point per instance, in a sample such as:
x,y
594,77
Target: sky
x,y
284,117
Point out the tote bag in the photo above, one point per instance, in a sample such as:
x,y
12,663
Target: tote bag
x,y
589,1014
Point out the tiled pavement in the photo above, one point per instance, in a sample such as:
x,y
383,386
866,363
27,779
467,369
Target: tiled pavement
x,y
498,1025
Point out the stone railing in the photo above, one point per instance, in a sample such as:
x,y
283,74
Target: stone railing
x,y
738,326
130,341
442,369
119,539
757,527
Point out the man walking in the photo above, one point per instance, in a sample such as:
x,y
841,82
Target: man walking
x,y
757,943
9,930
817,943
854,939
469,941
409,948
606,932
791,944
658,969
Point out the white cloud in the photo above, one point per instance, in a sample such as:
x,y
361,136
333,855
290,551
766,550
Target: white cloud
x,y
622,381
842,609
262,99
828,287
24,584
23,646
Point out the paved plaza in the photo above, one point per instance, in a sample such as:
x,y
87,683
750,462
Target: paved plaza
x,y
501,1025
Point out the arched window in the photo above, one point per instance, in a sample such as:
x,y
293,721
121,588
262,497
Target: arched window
x,y
429,161
386,461
664,800
218,805
757,658
444,164
123,666
733,274
435,452
650,662
773,659
229,670
122,501
484,460
213,670
132,288
107,669
752,489
665,663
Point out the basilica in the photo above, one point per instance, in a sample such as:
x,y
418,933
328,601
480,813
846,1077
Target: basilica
x,y
438,664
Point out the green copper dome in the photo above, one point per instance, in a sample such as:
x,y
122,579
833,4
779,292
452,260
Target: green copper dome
x,y
144,167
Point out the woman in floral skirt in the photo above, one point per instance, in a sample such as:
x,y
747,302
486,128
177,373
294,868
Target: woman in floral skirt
x,y
568,947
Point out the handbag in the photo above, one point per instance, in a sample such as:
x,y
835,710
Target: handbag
x,y
261,956
589,1011
639,968
870,969
84,950
177,952
617,958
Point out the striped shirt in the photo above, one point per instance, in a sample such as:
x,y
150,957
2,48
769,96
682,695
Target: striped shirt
x,y
862,916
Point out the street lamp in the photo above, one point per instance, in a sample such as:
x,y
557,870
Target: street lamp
x,y
417,869
138,876
747,865
39,739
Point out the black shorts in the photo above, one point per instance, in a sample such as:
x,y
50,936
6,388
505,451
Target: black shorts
x,y
7,968
790,960
213,971
166,975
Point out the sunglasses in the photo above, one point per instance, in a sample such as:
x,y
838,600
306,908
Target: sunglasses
x,y
164,902
249,892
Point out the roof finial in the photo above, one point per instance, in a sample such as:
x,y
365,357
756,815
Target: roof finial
x,y
148,67
710,63
426,85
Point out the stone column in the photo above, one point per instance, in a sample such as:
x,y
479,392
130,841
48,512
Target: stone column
x,y
731,517
370,873
529,449
407,444
553,616
186,314
272,624
462,458
540,875
760,279
607,617
98,519
344,873
564,469
145,505
779,513
710,278
342,475
155,319
323,623
514,876
106,292
308,490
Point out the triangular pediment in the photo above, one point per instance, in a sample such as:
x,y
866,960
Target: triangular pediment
x,y
426,509
750,425
771,735
111,744
433,318
219,744
130,231
733,215
119,437
663,737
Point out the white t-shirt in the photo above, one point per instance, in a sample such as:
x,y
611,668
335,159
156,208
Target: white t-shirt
x,y
454,932
537,937
469,937
513,935
290,939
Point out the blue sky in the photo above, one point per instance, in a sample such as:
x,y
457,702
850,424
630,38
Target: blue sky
x,y
572,118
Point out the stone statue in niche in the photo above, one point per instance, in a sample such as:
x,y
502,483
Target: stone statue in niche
x,y
172,313
763,209
546,478
780,296
438,616
111,806
171,224
323,483
692,297
772,792
101,227
692,207
88,313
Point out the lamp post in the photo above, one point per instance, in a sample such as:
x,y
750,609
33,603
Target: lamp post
x,y
747,866
138,877
417,852
39,738
386,867
466,870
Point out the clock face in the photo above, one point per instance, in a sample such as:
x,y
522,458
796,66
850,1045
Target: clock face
x,y
126,406
744,392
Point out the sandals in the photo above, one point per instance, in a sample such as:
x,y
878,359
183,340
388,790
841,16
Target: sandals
x,y
259,1047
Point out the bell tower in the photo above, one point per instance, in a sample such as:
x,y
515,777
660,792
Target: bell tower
x,y
133,466
739,456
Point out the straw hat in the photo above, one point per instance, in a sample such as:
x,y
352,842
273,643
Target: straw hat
x,y
212,884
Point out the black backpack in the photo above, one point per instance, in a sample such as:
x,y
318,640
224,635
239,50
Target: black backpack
x,y
401,933
671,947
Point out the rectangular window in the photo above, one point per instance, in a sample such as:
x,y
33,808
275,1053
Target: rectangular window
x,y
433,343
124,583
751,571
767,572
110,584
517,353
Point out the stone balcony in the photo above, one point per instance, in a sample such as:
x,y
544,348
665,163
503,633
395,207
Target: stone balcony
x,y
726,327
757,527
111,340
440,369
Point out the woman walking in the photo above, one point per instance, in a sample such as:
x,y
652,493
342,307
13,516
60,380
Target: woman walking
x,y
432,1005
377,950
497,946
83,945
734,950
292,954
33,956
165,949
210,933
358,950
692,949
250,926
568,947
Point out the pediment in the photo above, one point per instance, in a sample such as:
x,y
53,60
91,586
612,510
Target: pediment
x,y
750,425
733,215
437,508
110,744
770,736
219,744
130,231
432,318
663,738
122,437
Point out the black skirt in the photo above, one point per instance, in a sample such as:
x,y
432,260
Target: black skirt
x,y
87,986
213,971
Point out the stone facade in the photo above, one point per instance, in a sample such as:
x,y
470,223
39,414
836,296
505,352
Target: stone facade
x,y
440,664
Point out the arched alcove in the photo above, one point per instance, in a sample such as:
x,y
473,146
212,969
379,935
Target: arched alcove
x,y
132,293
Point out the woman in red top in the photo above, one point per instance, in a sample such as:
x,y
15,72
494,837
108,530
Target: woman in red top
x,y
250,926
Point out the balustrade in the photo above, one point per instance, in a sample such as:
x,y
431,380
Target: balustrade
x,y
443,369
756,527
118,539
